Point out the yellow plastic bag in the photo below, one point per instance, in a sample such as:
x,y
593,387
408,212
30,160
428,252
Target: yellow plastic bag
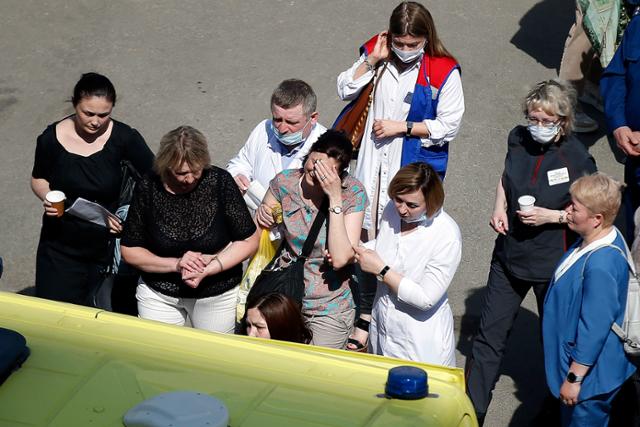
x,y
266,251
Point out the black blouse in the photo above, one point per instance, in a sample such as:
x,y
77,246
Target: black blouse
x,y
204,220
96,178
529,252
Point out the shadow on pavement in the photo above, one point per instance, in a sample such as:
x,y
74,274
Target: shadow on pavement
x,y
522,362
543,31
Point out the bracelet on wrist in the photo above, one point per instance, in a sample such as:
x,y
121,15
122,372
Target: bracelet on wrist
x,y
219,263
178,265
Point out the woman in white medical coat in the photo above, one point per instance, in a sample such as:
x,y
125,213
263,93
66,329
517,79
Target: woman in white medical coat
x,y
414,257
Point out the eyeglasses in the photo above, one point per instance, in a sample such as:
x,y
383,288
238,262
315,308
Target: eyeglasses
x,y
544,123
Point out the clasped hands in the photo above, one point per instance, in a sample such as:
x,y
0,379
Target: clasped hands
x,y
195,266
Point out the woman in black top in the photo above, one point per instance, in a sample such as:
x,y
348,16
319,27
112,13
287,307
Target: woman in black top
x,y
188,230
80,156
543,159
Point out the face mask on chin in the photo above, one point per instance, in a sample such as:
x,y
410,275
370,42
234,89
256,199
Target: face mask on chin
x,y
410,55
543,135
421,218
290,139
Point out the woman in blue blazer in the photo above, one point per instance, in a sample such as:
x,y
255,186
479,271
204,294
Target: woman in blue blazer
x,y
585,361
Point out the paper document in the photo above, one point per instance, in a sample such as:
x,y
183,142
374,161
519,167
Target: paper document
x,y
90,211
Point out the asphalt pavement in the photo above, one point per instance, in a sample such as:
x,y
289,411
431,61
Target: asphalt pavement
x,y
214,64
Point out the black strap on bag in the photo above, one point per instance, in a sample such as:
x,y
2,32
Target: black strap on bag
x,y
290,279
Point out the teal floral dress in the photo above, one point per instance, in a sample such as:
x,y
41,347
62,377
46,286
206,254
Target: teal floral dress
x,y
327,290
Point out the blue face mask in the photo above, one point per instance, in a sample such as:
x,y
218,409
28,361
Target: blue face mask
x,y
289,139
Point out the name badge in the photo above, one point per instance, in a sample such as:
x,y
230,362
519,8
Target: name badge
x,y
558,176
408,98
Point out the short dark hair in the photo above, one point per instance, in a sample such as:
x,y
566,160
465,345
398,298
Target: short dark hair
x,y
283,316
335,144
419,176
93,84
293,92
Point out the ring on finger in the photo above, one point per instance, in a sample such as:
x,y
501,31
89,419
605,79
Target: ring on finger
x,y
322,177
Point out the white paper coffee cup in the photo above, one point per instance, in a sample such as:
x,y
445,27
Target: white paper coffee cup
x,y
526,202
56,198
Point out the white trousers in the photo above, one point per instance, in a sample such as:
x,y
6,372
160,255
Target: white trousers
x,y
216,314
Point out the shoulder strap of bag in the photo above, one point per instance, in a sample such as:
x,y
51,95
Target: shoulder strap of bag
x,y
315,229
615,328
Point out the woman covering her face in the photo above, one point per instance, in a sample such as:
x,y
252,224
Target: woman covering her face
x,y
414,257
188,231
81,156
328,303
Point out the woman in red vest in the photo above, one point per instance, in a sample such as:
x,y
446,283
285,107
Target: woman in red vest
x,y
416,108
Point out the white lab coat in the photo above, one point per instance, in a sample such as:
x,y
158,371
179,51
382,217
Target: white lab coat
x,y
261,156
392,100
416,324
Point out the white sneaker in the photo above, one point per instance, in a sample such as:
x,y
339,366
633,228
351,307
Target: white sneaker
x,y
584,123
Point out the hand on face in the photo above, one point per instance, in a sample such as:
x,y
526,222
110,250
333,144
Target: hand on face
x,y
326,175
380,50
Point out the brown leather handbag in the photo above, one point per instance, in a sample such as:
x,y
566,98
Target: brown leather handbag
x,y
353,118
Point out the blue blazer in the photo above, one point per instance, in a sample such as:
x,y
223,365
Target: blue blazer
x,y
576,325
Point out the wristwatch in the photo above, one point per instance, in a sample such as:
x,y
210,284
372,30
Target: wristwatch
x,y
573,378
336,209
409,128
380,276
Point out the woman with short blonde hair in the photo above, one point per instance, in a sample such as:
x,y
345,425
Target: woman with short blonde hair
x,y
183,144
188,231
599,193
584,359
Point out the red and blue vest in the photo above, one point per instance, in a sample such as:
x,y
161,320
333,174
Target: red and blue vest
x,y
432,75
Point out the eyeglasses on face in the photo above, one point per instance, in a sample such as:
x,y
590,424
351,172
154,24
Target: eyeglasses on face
x,y
544,122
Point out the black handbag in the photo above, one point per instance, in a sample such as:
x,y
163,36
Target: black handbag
x,y
288,280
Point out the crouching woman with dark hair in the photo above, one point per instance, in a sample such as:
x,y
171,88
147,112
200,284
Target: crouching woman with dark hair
x,y
276,316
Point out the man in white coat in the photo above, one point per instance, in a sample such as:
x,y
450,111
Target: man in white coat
x,y
281,142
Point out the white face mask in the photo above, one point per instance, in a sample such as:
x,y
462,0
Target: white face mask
x,y
543,135
407,56
421,218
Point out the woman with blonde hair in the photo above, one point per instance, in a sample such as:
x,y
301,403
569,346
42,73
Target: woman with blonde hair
x,y
542,161
414,257
585,361
188,231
